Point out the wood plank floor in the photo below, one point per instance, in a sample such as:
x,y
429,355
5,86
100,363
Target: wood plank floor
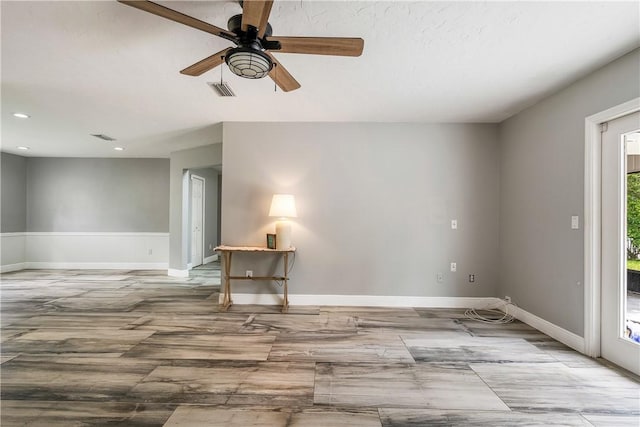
x,y
140,348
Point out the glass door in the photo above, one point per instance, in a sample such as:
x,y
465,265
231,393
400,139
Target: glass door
x,y
620,299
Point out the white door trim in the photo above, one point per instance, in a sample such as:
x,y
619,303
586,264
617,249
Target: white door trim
x,y
593,220
202,232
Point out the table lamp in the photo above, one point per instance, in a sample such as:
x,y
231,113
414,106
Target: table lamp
x,y
283,206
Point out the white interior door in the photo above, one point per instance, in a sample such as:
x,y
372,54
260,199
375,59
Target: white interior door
x,y
197,220
615,345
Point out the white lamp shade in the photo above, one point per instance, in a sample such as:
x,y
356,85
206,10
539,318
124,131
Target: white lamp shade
x,y
283,206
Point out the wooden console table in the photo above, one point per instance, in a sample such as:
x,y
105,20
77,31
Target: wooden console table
x,y
227,253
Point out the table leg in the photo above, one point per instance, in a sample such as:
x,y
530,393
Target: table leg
x,y
285,302
226,300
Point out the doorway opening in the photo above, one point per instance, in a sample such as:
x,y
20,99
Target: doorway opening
x,y
201,220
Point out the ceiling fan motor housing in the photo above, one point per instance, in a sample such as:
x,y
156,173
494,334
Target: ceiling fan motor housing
x,y
234,24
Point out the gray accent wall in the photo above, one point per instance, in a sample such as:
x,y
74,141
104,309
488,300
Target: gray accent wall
x,y
374,201
542,186
13,193
97,195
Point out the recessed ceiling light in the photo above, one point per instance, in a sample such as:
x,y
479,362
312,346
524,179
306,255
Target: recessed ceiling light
x,y
23,148
21,115
118,148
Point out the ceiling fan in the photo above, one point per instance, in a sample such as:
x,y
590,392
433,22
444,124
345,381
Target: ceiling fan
x,y
251,33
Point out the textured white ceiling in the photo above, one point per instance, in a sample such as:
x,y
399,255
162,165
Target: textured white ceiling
x,y
102,67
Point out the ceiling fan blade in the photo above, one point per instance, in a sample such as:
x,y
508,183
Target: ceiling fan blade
x,y
256,13
176,16
339,46
206,64
281,76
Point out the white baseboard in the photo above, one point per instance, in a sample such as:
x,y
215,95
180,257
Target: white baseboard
x,y
206,260
96,265
174,272
568,338
83,266
211,258
364,300
12,267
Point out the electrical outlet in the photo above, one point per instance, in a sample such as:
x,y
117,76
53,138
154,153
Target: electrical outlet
x,y
210,246
507,298
472,278
440,277
454,224
249,273
454,267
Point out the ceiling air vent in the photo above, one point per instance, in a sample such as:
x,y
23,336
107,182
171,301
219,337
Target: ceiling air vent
x,y
103,137
222,88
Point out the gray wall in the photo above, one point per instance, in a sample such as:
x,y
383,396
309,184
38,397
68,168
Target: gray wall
x,y
13,192
374,204
210,176
542,186
97,195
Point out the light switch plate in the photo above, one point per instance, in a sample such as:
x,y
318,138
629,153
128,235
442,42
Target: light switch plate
x,y
454,224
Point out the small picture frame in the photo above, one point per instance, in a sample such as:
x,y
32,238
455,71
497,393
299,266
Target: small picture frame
x,y
271,241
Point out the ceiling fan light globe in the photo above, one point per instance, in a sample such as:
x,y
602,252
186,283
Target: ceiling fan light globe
x,y
248,63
